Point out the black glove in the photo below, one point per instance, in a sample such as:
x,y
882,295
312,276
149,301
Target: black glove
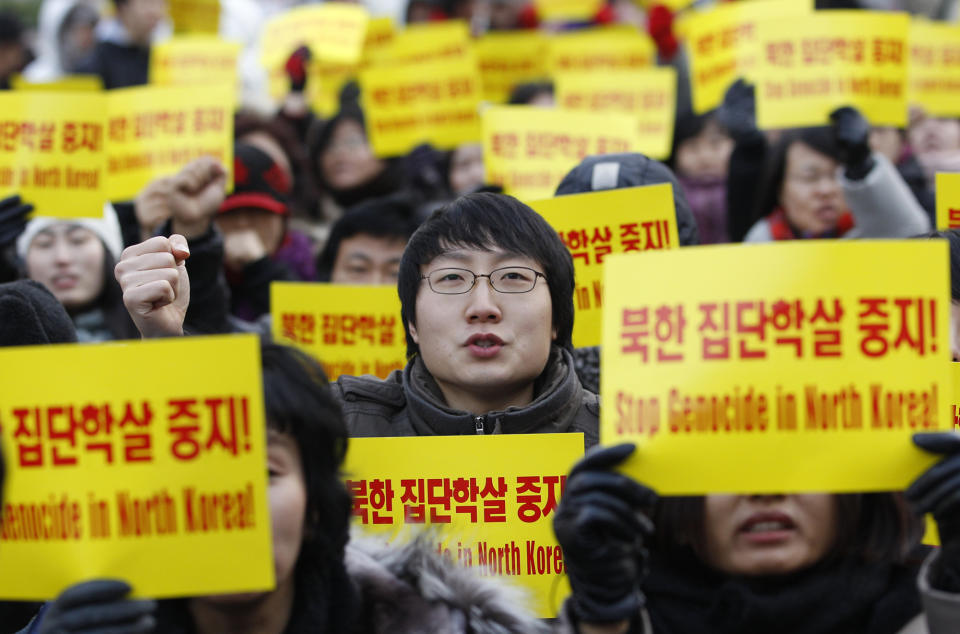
x,y
851,131
601,526
737,113
937,491
296,68
13,219
98,606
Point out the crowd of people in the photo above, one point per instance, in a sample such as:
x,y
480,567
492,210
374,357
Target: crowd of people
x,y
486,288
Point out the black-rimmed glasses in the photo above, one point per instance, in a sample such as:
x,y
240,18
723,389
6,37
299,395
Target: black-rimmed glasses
x,y
509,279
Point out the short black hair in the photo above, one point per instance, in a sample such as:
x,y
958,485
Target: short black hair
x,y
524,93
952,236
387,217
11,28
486,221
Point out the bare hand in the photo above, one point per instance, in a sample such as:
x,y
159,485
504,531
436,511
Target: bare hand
x,y
242,247
152,206
156,287
197,192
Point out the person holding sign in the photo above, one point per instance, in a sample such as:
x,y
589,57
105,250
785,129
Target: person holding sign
x,y
121,57
816,563
486,288
804,194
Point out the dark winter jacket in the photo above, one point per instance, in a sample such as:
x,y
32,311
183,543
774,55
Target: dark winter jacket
x,y
118,65
409,403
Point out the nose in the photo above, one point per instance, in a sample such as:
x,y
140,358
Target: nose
x,y
767,498
483,305
61,252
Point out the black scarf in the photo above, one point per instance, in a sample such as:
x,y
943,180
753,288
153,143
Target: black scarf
x,y
686,597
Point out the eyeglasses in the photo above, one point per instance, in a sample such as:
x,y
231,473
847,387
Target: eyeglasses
x,y
509,279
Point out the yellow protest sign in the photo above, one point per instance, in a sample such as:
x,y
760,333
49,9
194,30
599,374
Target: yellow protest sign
x,y
567,10
334,31
194,60
598,224
601,49
351,330
153,131
195,16
934,67
789,367
948,201
380,34
528,150
488,500
433,102
427,42
811,65
722,44
147,465
52,151
509,58
70,83
649,95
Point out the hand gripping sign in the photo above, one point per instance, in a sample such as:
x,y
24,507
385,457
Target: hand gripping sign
x,y
142,461
783,367
488,501
351,330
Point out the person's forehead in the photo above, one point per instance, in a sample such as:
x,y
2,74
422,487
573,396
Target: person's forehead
x,y
472,256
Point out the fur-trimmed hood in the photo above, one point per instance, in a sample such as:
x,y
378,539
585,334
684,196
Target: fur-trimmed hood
x,y
411,589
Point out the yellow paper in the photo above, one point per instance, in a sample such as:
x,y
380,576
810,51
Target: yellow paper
x,y
429,42
52,151
648,95
567,10
488,500
194,60
598,224
70,83
601,49
673,5
334,31
380,34
432,102
709,368
722,44
146,461
948,201
351,330
510,58
931,535
934,70
153,131
195,16
528,150
811,65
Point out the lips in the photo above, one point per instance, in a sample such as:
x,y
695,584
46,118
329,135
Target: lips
x,y
767,527
484,345
63,282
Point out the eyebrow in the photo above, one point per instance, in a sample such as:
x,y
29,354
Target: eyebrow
x,y
460,256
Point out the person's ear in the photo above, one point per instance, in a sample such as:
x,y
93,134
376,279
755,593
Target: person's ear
x,y
413,332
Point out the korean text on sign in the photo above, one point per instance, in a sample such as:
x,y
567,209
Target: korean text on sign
x,y
771,359
948,201
352,330
165,461
636,219
934,65
487,500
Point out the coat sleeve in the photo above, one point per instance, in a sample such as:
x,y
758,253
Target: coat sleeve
x,y
941,608
882,204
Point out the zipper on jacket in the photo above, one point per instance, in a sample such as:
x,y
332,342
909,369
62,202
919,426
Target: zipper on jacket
x,y
478,424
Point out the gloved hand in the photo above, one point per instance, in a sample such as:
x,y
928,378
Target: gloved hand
x,y
13,219
98,606
937,491
296,68
851,131
738,112
601,527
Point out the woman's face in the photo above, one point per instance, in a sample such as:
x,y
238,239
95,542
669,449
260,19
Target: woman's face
x,y
933,134
707,155
68,259
348,160
753,535
811,194
466,168
268,226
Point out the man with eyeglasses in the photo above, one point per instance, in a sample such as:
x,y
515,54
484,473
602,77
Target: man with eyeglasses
x,y
486,289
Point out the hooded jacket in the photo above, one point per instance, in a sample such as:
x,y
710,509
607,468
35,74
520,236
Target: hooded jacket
x,y
409,403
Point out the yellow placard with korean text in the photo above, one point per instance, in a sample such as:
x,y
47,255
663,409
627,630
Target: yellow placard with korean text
x,y
786,367
567,10
722,45
351,330
413,103
70,83
597,224
153,131
52,151
143,461
334,31
528,150
488,501
194,60
934,71
195,16
427,42
601,49
649,95
509,58
948,200
807,66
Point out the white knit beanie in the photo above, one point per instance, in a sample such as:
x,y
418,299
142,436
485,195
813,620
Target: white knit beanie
x,y
106,228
